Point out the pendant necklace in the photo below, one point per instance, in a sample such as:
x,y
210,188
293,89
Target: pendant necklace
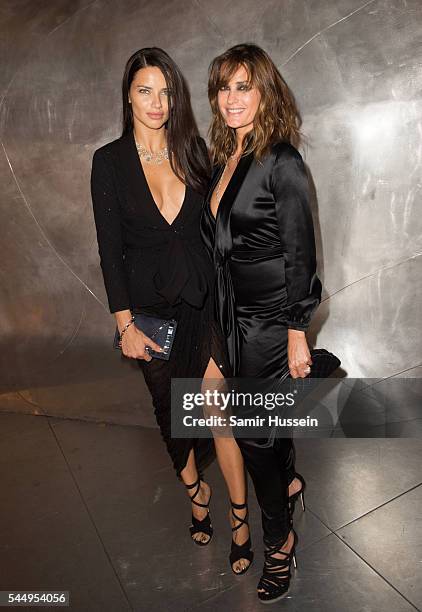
x,y
220,182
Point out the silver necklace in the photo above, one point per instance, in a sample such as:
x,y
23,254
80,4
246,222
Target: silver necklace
x,y
220,182
149,156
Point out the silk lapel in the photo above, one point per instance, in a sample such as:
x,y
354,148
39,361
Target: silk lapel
x,y
225,301
207,225
223,238
215,176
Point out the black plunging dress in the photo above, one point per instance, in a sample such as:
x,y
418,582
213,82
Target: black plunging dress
x,y
263,248
157,268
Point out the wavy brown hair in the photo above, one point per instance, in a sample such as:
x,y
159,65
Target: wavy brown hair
x,y
277,117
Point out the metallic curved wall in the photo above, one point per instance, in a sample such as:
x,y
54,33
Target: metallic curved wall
x,y
355,69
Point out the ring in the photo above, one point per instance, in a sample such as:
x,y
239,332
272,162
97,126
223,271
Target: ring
x,y
307,370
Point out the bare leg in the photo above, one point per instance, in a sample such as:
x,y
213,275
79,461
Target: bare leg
x,y
232,467
189,475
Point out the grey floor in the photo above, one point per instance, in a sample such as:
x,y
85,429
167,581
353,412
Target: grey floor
x,y
96,510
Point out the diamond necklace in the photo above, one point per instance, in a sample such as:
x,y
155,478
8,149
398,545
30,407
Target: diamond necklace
x,y
149,156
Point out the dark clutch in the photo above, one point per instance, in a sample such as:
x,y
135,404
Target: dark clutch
x,y
323,363
162,331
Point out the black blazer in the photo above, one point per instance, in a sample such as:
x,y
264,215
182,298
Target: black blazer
x,y
147,263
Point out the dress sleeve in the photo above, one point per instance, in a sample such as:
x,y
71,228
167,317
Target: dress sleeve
x,y
290,188
109,235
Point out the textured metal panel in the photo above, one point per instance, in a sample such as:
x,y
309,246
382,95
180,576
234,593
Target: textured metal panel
x,y
355,70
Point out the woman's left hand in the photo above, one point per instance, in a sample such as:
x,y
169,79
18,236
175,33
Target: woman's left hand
x,y
298,354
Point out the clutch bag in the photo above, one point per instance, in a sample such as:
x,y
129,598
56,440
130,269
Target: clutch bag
x,y
323,363
162,331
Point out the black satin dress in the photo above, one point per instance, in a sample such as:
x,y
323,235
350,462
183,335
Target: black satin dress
x,y
263,248
162,269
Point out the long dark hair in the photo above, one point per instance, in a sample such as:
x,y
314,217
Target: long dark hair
x,y
278,116
187,150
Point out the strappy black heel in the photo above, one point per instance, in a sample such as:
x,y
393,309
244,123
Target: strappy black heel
x,y
240,551
275,579
299,495
205,525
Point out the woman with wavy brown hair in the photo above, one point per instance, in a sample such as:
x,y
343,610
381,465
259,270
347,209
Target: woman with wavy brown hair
x,y
258,227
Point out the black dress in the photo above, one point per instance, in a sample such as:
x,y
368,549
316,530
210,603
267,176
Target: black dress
x,y
263,247
157,268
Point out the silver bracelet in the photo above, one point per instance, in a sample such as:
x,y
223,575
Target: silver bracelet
x,y
125,328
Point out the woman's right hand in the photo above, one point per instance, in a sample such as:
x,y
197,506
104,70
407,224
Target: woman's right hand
x,y
134,344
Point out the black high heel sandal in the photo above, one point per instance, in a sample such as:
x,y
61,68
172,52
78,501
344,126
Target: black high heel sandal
x,y
240,551
205,525
299,495
275,579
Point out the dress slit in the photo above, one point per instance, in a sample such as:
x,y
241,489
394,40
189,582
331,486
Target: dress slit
x,y
198,338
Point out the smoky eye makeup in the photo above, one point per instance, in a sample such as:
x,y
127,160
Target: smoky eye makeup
x,y
241,86
244,86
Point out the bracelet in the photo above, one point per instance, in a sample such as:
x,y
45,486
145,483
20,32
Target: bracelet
x,y
128,324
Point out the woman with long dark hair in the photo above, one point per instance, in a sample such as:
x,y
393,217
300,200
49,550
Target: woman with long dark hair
x,y
148,191
258,227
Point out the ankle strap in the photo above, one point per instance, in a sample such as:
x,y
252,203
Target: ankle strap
x,y
196,484
239,506
275,547
242,521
